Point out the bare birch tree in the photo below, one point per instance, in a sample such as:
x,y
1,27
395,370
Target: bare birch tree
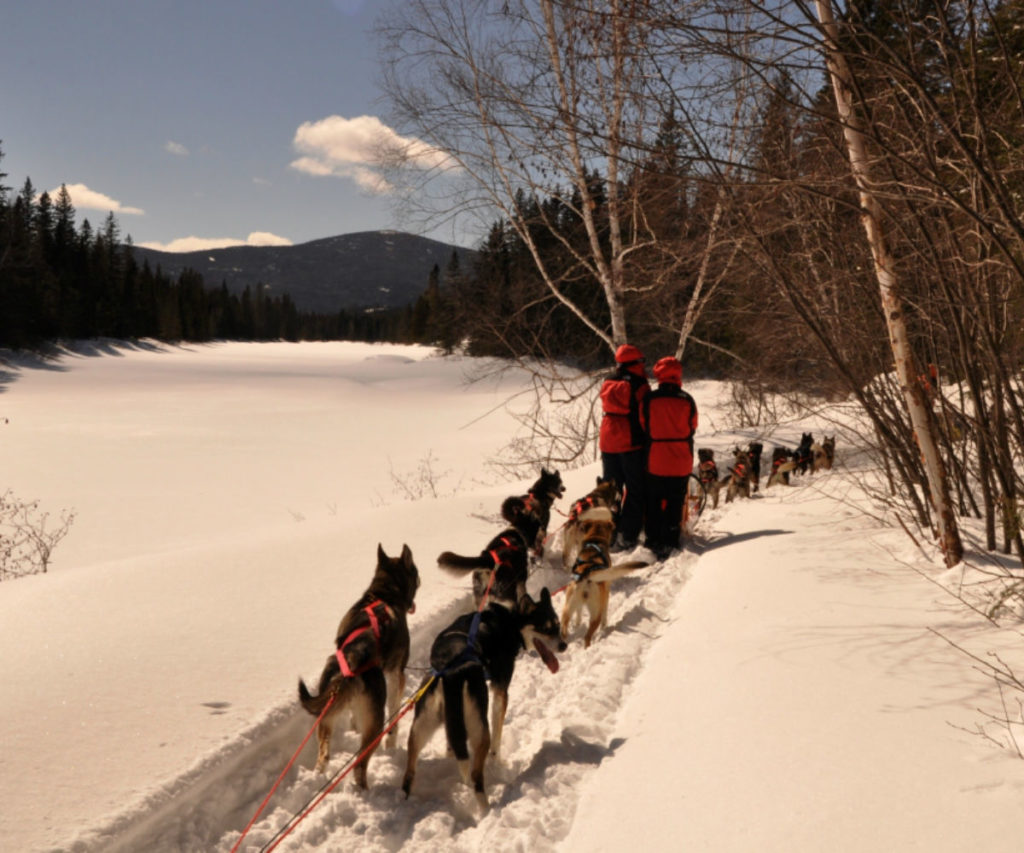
x,y
540,99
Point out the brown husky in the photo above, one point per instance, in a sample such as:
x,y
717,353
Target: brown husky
x,y
593,572
823,455
737,482
368,669
605,494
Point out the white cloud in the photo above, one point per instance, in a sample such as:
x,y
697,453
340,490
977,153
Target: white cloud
x,y
176,148
195,244
353,148
312,166
265,238
84,198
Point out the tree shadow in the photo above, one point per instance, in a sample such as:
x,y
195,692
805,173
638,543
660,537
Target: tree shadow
x,y
571,748
700,545
54,357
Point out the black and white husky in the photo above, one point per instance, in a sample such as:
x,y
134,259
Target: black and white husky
x,y
477,646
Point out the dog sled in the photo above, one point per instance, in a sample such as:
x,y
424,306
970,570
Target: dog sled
x,y
694,503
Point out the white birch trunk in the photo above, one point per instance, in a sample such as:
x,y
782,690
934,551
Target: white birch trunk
x,y
892,306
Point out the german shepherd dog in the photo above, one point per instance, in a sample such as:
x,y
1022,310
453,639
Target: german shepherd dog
x,y
542,495
476,647
707,473
593,572
738,480
803,455
605,494
500,570
754,451
368,669
824,454
782,464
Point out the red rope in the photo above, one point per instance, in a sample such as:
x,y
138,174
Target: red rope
x,y
553,532
297,819
280,778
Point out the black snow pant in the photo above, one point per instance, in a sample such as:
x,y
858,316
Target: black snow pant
x,y
665,496
627,469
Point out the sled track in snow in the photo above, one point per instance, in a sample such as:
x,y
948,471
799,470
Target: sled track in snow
x,y
558,730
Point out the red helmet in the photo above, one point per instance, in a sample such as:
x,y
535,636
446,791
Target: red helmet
x,y
668,369
628,354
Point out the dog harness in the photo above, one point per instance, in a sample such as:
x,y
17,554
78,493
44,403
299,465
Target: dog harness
x,y
589,545
472,652
708,471
378,618
495,553
581,506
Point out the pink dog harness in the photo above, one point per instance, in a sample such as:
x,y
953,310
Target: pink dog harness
x,y
375,626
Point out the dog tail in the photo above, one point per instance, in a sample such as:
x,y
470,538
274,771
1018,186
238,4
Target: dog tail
x,y
313,704
513,508
457,564
619,570
329,684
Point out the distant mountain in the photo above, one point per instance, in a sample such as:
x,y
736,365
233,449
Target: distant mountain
x,y
385,269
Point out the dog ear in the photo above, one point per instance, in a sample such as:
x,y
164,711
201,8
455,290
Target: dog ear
x,y
406,556
545,597
525,605
381,556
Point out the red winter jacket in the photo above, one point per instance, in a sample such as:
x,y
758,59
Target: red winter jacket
x,y
671,418
622,398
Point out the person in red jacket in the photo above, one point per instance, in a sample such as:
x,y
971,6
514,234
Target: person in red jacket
x,y
670,418
622,439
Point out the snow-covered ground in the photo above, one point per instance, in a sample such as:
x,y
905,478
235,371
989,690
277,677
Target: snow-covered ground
x,y
784,684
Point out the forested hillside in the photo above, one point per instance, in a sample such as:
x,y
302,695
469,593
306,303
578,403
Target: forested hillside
x,y
64,280
369,269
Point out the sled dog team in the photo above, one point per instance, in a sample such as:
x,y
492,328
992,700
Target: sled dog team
x,y
365,675
743,475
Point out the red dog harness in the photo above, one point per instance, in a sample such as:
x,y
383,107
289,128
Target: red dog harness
x,y
375,626
495,553
581,506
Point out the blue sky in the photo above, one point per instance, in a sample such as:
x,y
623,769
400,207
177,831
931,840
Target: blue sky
x,y
199,122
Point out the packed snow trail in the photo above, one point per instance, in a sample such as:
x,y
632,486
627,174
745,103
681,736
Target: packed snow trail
x,y
559,728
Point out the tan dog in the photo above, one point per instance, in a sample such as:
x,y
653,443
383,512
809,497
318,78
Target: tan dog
x,y
593,572
738,480
605,494
823,455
